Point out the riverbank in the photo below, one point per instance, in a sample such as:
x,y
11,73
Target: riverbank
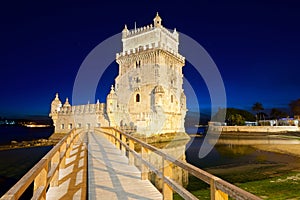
x,y
271,170
51,141
255,129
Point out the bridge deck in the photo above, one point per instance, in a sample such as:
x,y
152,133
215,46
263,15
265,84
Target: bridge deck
x,y
110,176
72,179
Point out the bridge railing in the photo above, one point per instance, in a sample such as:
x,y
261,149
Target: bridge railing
x,y
45,172
219,189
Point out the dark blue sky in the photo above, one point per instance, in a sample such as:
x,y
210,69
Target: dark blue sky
x,y
255,45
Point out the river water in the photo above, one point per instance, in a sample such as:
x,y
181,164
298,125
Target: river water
x,y
16,162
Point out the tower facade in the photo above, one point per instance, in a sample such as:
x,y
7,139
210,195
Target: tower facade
x,y
150,79
148,92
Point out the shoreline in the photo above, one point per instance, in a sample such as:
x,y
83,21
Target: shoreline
x,y
289,145
291,149
51,141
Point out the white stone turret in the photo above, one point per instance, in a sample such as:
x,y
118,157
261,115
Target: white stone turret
x,y
112,102
159,94
55,108
157,20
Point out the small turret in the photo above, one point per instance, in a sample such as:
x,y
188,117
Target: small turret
x,y
157,20
55,108
67,104
55,105
112,100
158,95
125,32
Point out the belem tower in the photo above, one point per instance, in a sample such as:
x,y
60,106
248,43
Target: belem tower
x,y
147,96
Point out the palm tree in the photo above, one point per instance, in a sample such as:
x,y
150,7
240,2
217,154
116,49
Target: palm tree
x,y
257,107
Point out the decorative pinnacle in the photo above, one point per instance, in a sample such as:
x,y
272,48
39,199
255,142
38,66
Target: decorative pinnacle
x,y
125,28
157,20
112,90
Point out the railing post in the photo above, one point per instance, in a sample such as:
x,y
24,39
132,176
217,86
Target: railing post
x,y
41,180
69,145
124,142
144,168
54,162
167,172
216,194
111,136
130,154
117,141
63,149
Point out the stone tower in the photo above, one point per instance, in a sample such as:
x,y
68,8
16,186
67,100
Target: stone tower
x,y
149,84
147,96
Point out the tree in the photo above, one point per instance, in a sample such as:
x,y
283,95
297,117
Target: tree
x,y
237,119
295,107
277,114
233,116
257,107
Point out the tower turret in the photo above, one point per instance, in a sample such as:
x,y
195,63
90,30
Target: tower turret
x,y
157,20
55,108
125,32
158,95
112,100
111,108
55,105
67,104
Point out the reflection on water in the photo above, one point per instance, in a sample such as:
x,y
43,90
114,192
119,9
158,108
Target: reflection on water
x,y
232,151
253,140
16,162
176,148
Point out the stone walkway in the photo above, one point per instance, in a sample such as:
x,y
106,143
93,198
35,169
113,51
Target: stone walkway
x,y
110,176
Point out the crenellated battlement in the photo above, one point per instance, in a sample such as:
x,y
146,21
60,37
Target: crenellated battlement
x,y
151,46
83,109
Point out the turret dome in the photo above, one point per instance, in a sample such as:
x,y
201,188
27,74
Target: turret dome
x,y
159,89
112,94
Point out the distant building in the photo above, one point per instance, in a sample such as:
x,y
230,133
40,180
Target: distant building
x,y
249,123
147,95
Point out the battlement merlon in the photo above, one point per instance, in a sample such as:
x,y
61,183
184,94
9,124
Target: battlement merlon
x,y
150,34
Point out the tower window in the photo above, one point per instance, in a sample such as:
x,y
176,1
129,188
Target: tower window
x,y
172,98
138,64
137,98
62,126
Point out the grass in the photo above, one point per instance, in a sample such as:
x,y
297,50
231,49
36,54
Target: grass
x,y
285,186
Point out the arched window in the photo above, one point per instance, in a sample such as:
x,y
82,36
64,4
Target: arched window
x,y
138,64
137,98
172,98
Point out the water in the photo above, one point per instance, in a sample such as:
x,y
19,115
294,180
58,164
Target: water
x,y
16,162
235,159
220,154
20,133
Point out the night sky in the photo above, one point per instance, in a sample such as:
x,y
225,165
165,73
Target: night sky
x,y
255,45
